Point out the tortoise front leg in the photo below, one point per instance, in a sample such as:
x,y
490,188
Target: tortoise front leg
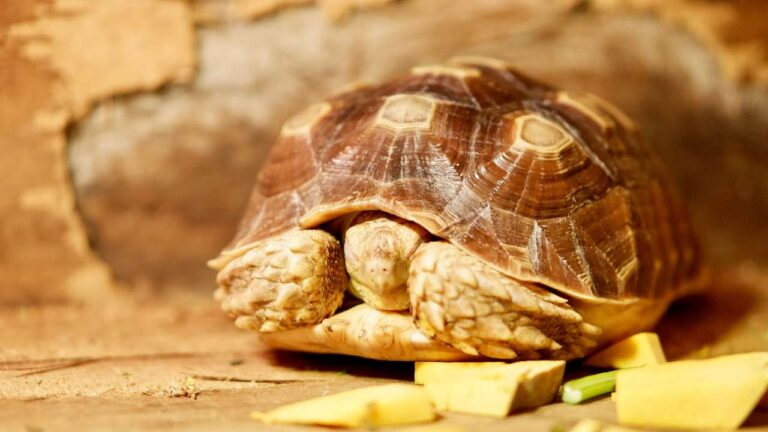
x,y
294,279
459,299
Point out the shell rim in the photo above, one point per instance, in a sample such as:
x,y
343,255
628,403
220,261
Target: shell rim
x,y
321,215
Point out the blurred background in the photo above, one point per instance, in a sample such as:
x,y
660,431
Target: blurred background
x,y
131,132
133,129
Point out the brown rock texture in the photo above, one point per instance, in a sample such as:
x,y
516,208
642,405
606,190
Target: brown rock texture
x,y
733,31
57,59
213,11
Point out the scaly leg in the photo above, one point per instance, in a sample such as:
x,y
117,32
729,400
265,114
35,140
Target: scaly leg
x,y
461,300
291,280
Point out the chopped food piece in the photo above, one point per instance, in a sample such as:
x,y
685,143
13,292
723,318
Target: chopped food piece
x,y
539,384
641,349
388,404
582,389
483,397
425,372
717,393
537,381
587,425
591,425
430,428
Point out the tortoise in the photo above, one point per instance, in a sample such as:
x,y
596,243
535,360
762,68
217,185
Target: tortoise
x,y
463,210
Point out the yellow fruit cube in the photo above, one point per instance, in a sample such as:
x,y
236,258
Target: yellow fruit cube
x,y
642,349
481,397
591,425
425,372
536,381
717,393
388,404
432,427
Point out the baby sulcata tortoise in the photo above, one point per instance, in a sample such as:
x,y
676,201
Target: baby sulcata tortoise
x,y
512,220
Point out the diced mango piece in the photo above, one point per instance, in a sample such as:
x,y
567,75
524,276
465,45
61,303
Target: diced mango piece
x,y
433,427
537,381
642,349
481,397
587,425
591,425
388,404
539,384
717,393
425,372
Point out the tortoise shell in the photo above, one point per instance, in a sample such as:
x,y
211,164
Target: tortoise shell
x,y
548,186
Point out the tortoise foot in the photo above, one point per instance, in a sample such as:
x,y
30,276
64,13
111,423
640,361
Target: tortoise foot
x,y
460,300
294,279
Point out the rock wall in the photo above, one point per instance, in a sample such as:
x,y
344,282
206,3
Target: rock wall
x,y
57,60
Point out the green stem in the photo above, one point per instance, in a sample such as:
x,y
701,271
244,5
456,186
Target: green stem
x,y
582,389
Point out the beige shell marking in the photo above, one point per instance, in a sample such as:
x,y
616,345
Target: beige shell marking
x,y
535,133
623,274
594,107
302,122
407,112
350,87
479,60
461,72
